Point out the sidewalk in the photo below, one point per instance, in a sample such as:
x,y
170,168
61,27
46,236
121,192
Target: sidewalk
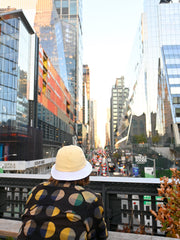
x,y
131,236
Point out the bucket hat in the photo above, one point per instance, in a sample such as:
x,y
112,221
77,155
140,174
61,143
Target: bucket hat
x,y
71,164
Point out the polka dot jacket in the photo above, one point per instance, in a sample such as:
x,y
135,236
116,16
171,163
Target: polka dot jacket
x,y
65,212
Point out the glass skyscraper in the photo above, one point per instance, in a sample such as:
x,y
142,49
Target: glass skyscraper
x,y
153,74
48,27
18,77
70,12
43,17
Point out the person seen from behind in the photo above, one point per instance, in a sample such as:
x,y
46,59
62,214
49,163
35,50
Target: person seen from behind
x,y
63,207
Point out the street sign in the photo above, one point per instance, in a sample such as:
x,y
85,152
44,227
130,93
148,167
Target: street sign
x,y
140,159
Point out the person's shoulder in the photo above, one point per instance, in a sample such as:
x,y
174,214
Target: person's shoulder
x,y
91,191
40,186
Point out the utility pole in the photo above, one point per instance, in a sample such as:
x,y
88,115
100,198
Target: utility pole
x,y
154,165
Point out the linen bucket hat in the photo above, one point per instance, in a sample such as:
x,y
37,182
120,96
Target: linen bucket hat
x,y
71,164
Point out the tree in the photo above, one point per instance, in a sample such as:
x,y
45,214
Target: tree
x,y
169,212
155,139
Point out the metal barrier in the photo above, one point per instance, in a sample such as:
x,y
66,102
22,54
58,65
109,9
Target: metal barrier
x,y
127,201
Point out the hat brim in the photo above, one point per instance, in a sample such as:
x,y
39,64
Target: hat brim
x,y
71,176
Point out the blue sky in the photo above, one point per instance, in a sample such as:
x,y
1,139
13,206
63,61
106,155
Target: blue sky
x,y
109,28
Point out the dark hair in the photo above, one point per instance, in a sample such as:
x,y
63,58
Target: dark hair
x,y
81,182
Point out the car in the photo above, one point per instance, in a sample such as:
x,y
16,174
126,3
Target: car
x,y
117,174
111,167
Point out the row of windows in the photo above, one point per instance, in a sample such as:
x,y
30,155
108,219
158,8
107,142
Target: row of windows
x,y
176,100
54,134
8,120
8,66
7,53
173,61
7,80
173,71
172,56
8,94
10,27
7,108
9,41
177,112
174,80
175,90
48,117
169,48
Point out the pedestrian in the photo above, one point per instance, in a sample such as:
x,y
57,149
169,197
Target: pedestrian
x,y
63,207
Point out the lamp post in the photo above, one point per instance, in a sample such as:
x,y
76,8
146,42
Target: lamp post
x,y
154,165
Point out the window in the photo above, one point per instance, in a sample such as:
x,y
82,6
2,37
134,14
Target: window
x,y
73,8
176,100
64,10
177,112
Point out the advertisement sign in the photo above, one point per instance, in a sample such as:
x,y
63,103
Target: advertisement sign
x,y
149,172
135,171
140,159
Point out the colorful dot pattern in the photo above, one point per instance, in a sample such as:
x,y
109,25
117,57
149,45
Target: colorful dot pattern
x,y
65,212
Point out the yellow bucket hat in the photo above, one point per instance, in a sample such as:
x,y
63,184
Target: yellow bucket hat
x,y
71,164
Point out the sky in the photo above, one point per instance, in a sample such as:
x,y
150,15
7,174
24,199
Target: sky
x,y
109,28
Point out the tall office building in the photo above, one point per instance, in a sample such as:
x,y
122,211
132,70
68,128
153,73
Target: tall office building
x,y
154,72
119,98
107,129
48,28
93,124
18,82
86,103
43,17
36,109
86,94
70,12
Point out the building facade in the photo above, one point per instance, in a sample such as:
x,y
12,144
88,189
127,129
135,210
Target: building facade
x,y
70,12
18,82
86,103
119,97
107,129
55,108
36,108
153,73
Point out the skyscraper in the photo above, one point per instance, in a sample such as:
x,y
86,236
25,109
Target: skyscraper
x,y
18,82
43,17
154,75
70,12
35,105
119,98
86,103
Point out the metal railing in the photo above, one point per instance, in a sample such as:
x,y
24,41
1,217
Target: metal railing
x,y
127,201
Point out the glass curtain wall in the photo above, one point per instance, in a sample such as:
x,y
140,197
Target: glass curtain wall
x,y
70,11
9,41
14,74
159,26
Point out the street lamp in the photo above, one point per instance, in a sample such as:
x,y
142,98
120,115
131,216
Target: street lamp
x,y
154,165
